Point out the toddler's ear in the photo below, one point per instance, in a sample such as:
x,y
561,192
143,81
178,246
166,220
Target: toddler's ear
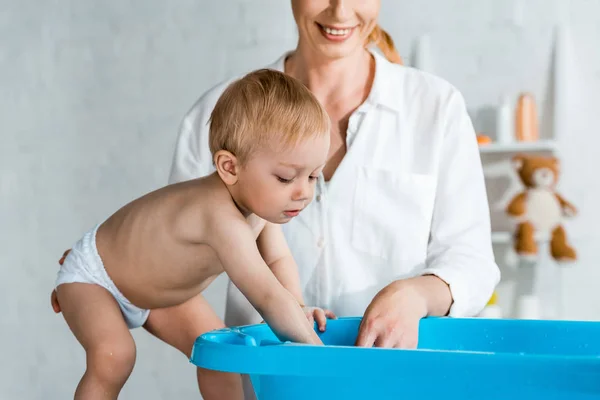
x,y
227,166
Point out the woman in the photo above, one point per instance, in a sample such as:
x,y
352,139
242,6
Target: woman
x,y
399,227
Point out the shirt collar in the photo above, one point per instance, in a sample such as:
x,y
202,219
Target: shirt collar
x,y
384,91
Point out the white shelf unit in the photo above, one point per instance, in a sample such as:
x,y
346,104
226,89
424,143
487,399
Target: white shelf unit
x,y
537,290
502,237
540,145
559,98
498,152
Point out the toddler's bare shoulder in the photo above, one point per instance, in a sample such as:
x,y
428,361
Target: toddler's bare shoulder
x,y
256,223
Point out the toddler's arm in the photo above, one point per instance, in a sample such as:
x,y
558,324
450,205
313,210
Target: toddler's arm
x,y
276,253
238,252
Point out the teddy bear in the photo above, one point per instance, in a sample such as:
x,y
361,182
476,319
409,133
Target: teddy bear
x,y
539,209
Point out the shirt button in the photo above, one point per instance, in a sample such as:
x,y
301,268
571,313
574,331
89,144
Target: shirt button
x,y
318,197
321,243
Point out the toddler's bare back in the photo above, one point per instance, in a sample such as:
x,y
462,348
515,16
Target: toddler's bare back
x,y
155,248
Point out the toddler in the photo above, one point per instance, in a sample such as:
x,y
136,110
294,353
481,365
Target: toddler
x,y
148,263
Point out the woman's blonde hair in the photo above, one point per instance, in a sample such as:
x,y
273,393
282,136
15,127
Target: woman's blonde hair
x,y
265,108
384,41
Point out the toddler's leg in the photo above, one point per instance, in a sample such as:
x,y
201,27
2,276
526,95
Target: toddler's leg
x,y
96,321
179,326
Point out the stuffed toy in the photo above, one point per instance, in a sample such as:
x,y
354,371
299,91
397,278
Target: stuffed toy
x,y
539,209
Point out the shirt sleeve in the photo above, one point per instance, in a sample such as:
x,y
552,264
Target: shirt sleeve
x,y
192,158
460,247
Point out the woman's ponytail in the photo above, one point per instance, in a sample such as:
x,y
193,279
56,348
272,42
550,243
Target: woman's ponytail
x,y
385,43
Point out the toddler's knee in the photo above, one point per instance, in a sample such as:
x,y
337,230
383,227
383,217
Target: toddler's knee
x,y
112,362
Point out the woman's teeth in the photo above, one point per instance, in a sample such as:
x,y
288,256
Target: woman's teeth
x,y
336,32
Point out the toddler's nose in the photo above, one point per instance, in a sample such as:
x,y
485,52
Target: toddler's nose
x,y
304,192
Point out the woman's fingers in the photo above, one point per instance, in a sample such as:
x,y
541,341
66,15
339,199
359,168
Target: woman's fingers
x,y
366,335
65,254
409,338
392,318
54,302
53,298
385,341
388,333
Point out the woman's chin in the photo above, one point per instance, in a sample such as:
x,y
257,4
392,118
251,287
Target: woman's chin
x,y
336,51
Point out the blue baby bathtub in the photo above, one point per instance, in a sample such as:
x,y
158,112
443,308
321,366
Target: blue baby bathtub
x,y
456,359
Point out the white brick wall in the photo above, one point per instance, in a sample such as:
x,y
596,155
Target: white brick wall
x,y
92,93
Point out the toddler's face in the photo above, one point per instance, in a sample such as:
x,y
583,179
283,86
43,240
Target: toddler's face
x,y
277,185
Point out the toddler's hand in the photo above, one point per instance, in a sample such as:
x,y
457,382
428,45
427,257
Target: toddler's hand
x,y
319,315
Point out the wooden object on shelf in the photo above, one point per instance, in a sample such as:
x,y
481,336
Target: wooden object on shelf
x,y
526,119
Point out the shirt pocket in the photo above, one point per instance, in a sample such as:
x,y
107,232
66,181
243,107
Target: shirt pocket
x,y
392,213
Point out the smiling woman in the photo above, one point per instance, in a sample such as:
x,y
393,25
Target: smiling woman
x,y
399,228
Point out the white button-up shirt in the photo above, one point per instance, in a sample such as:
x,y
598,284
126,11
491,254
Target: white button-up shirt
x,y
408,199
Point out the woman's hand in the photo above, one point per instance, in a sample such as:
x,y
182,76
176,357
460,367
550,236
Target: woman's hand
x,y
319,315
53,299
54,302
392,319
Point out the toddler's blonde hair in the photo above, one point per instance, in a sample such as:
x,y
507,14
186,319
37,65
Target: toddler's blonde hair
x,y
265,108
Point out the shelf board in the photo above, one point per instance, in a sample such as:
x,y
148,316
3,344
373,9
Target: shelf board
x,y
501,237
540,145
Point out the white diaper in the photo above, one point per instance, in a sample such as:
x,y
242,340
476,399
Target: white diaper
x,y
83,265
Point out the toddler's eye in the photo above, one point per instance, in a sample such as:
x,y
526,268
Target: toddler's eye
x,y
283,180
